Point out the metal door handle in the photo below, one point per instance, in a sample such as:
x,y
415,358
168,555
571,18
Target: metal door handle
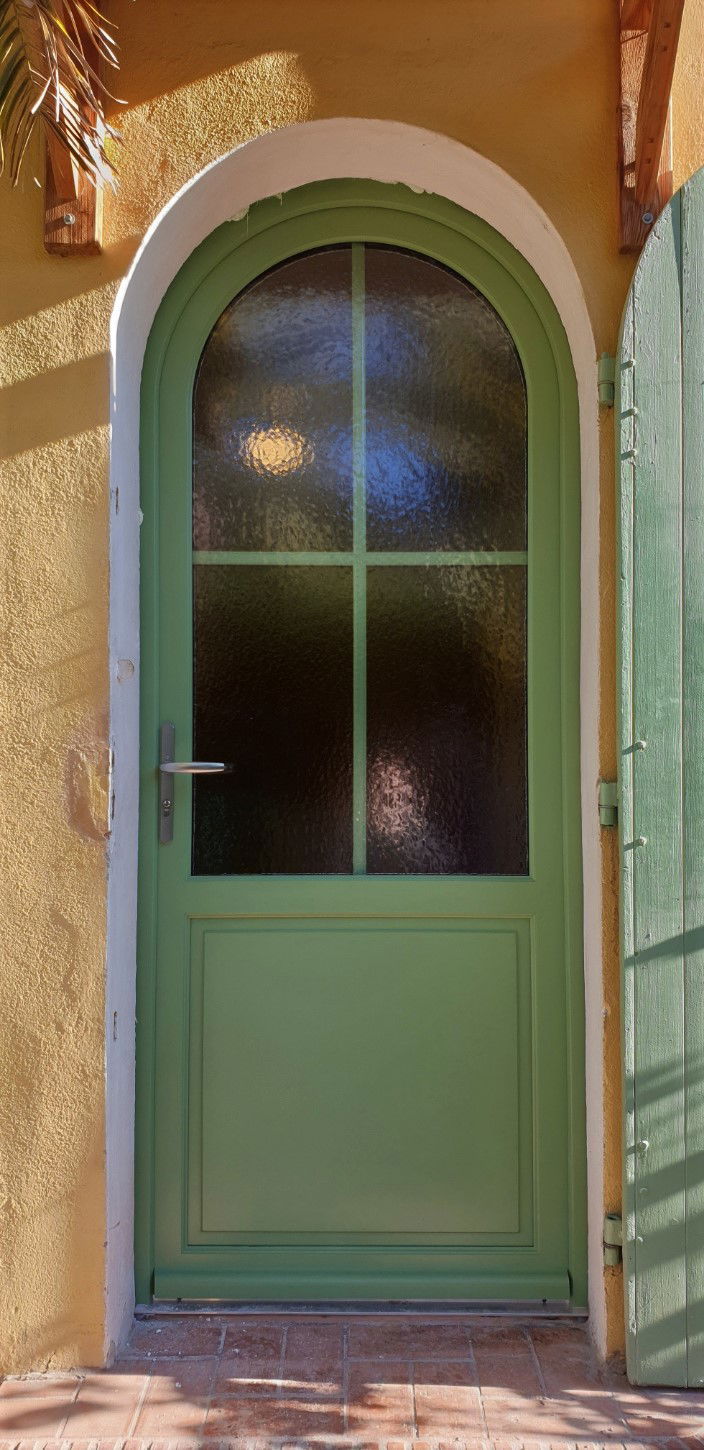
x,y
167,767
191,767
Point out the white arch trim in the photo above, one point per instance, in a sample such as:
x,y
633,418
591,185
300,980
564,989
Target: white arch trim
x,y
271,164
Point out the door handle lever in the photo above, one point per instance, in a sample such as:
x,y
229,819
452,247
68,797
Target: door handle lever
x,y
168,767
191,767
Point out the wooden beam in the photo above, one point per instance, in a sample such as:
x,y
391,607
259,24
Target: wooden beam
x,y
73,206
654,99
636,14
637,215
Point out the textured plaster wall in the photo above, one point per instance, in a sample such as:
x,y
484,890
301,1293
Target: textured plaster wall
x,y
532,87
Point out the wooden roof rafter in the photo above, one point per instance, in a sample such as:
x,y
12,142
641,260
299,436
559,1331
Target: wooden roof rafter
x,y
649,32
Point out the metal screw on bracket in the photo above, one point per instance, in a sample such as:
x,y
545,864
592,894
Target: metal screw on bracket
x,y
69,219
647,218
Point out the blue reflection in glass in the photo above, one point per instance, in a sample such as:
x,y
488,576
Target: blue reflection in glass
x,y
446,412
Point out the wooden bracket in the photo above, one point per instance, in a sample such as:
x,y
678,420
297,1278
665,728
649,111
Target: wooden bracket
x,y
649,32
73,205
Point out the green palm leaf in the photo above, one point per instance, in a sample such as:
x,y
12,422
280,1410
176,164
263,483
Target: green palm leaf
x,y
50,54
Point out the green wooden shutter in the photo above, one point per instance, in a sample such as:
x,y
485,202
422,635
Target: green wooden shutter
x,y
660,440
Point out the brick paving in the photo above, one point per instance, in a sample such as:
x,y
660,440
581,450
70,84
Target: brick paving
x,y
388,1382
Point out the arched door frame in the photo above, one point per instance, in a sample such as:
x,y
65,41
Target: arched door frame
x,y
326,144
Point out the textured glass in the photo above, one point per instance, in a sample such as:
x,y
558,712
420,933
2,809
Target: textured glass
x,y
273,699
272,419
446,412
446,720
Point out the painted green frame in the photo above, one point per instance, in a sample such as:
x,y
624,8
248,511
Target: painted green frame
x,y
318,215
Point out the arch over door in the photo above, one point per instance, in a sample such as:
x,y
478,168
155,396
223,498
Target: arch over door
x,y
661,463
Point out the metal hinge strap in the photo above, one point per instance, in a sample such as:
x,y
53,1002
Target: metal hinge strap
x,y
613,1238
608,803
606,379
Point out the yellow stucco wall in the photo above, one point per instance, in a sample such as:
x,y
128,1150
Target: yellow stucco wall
x,y
534,88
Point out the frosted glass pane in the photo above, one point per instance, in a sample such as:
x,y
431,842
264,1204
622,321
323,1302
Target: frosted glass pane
x,y
273,699
446,412
272,421
446,720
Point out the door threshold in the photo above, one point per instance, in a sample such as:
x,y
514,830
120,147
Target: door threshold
x,y
489,1308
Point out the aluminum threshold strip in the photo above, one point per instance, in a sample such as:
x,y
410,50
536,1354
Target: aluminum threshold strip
x,y
516,1308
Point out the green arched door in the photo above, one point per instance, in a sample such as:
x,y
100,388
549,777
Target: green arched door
x,y
360,954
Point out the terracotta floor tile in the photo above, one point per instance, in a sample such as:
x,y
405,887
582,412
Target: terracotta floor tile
x,y
407,1338
131,1366
317,1340
566,1333
175,1338
653,1425
239,1375
514,1442
502,1336
177,1399
127,1364
105,1405
447,1401
501,1374
575,1372
317,1323
35,1444
232,1419
308,1377
32,1416
379,1398
457,1443
663,1401
172,1421
355,1443
550,1419
255,1338
407,1377
444,1372
37,1386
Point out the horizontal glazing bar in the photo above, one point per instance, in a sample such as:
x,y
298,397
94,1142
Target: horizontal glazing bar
x,y
228,556
225,556
478,557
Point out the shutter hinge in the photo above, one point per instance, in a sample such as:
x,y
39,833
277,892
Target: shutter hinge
x,y
606,379
608,803
613,1238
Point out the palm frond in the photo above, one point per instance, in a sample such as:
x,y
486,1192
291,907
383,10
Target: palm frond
x,y
50,54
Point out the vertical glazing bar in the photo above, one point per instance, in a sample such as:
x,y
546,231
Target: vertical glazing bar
x,y
359,848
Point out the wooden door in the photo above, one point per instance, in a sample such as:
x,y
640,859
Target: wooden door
x,y
362,1076
661,470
